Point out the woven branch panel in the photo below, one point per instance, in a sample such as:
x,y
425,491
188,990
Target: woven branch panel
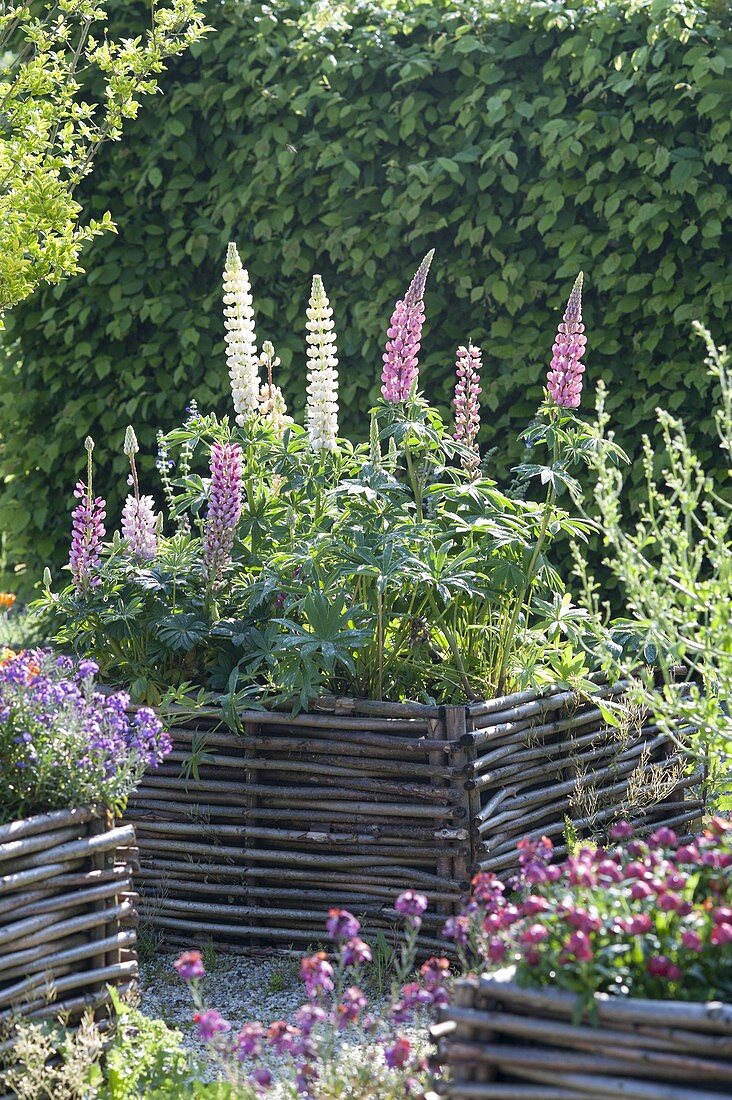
x,y
66,914
503,1042
350,805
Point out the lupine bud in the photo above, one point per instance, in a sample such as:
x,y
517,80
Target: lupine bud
x,y
272,407
241,345
564,380
467,408
375,456
401,364
131,446
322,406
139,527
224,508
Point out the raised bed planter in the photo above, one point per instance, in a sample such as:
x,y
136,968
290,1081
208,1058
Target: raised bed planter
x,y
352,804
503,1041
66,913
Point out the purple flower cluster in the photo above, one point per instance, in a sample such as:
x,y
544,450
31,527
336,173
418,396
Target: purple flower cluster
x,y
335,1002
62,743
401,363
224,508
652,918
564,380
87,535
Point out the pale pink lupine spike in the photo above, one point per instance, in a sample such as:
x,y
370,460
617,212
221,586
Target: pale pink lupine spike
x,y
564,379
415,292
467,407
401,363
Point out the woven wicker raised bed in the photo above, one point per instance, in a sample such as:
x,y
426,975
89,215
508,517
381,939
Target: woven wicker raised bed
x,y
66,913
502,1042
352,804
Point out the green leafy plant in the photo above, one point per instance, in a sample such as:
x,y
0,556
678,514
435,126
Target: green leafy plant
x,y
525,140
675,570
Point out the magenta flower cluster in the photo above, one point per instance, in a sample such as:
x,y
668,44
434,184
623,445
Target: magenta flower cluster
x,y
564,380
224,508
335,1001
87,535
650,919
401,362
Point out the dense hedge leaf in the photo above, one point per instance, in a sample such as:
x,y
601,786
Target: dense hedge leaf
x,y
523,140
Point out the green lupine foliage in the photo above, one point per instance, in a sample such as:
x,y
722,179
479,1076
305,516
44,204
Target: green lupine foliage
x,y
524,141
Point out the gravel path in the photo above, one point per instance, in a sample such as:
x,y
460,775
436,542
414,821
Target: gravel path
x,y
246,988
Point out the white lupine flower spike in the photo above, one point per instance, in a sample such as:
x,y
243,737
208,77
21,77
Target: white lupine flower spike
x,y
241,341
272,407
322,407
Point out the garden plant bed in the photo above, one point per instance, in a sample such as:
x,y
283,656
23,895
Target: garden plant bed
x,y
66,913
501,1040
352,804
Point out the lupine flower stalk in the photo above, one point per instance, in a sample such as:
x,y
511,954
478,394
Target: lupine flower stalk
x,y
401,363
467,408
322,404
224,508
139,519
564,380
87,523
241,345
272,407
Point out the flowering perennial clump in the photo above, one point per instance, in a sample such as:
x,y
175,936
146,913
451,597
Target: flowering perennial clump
x,y
224,508
241,341
335,1002
322,406
401,363
64,744
564,380
651,918
467,407
392,569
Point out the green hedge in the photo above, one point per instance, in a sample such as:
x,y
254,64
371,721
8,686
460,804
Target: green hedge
x,y
523,140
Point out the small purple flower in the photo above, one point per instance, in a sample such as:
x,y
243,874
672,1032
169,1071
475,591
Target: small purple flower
x,y
209,1023
411,905
262,1076
317,973
309,1016
224,508
355,952
401,364
397,1054
622,830
342,925
663,837
564,380
190,966
249,1041
350,1007
86,668
283,1037
691,940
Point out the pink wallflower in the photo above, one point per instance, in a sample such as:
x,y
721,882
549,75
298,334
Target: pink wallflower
x,y
309,1016
342,925
209,1023
487,888
660,966
411,905
351,1005
457,928
283,1037
397,1054
621,830
663,837
356,952
317,973
564,380
190,966
721,934
535,933
401,362
249,1041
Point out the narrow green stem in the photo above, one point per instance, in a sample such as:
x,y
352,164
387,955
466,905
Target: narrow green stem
x,y
414,482
454,649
